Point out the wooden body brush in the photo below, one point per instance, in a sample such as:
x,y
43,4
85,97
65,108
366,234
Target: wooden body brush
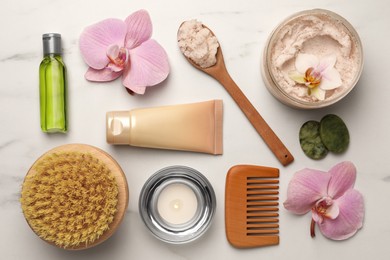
x,y
251,206
74,196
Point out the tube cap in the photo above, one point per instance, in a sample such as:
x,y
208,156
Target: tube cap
x,y
118,127
51,43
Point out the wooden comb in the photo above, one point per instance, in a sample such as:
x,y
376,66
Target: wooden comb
x,y
251,206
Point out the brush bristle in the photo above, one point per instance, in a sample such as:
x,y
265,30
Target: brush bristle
x,y
71,199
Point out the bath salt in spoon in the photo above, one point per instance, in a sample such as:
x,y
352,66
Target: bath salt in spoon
x,y
201,48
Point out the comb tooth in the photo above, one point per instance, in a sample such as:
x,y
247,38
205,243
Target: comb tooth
x,y
258,180
262,187
262,220
261,215
261,226
262,192
258,204
262,232
262,178
260,209
256,197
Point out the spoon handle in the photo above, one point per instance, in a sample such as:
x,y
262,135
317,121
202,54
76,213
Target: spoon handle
x,y
258,122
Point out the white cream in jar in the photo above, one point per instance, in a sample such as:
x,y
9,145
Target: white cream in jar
x,y
319,33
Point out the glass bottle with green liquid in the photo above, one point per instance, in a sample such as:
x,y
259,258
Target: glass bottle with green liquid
x,y
52,85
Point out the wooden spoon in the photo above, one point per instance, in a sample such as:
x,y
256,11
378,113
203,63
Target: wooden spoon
x,y
219,72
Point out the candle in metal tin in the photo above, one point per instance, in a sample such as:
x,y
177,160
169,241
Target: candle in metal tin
x,y
177,204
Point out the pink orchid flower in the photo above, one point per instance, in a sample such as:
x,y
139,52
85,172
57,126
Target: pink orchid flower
x,y
113,47
318,75
336,207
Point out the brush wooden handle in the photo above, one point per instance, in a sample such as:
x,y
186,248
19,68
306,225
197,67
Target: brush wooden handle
x,y
261,126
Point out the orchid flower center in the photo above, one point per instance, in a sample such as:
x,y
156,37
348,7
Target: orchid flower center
x,y
324,208
312,78
118,57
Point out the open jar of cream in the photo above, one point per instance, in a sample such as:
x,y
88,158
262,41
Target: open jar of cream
x,y
313,59
177,204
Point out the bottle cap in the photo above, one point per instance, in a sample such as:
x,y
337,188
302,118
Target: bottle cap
x,y
118,127
51,43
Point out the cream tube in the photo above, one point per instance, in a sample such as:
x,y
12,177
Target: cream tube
x,y
193,127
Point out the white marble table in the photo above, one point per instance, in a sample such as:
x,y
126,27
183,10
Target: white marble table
x,y
242,28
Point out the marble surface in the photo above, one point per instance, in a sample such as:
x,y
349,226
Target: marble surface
x,y
242,28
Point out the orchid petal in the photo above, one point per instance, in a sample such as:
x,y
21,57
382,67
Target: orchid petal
x,y
148,66
331,79
139,29
137,89
113,51
343,176
305,188
305,61
333,211
349,220
95,39
326,62
318,93
101,75
114,67
297,77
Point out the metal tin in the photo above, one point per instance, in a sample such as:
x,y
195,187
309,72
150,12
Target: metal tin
x,y
195,227
271,83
